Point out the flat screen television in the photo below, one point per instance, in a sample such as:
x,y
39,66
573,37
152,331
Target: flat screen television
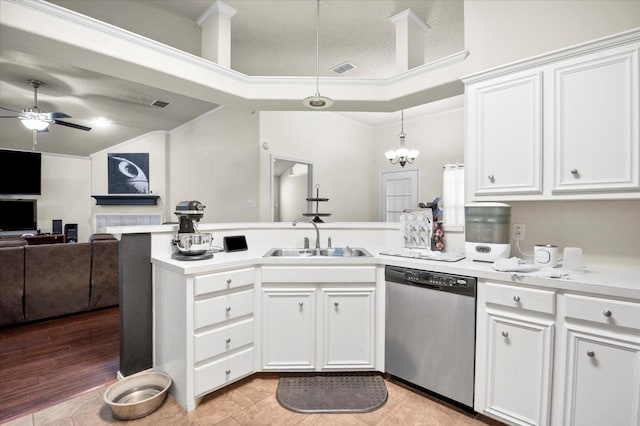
x,y
18,215
20,172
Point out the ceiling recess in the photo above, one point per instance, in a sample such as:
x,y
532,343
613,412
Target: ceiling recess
x,y
343,67
160,104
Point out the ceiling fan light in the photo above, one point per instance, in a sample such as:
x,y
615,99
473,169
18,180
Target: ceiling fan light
x,y
317,102
34,124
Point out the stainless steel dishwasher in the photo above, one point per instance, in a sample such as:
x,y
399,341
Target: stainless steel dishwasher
x,y
430,331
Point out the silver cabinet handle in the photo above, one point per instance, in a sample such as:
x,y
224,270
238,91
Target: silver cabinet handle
x,y
227,372
516,298
301,304
505,334
228,308
591,354
227,340
492,178
574,171
229,280
606,313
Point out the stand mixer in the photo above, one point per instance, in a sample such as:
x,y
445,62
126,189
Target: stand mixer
x,y
191,244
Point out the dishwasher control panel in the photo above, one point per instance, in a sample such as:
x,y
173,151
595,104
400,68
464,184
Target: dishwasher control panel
x,y
436,280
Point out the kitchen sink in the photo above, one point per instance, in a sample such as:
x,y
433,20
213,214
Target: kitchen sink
x,y
302,252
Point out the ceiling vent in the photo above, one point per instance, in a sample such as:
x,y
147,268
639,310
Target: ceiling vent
x,y
160,104
343,67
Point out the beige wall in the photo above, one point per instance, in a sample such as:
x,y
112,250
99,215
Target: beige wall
x,y
215,160
341,150
153,143
600,228
497,32
66,193
439,136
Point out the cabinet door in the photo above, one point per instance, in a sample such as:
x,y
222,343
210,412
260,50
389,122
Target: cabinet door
x,y
288,328
348,328
602,380
519,359
595,122
505,135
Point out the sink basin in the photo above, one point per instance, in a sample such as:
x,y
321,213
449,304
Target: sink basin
x,y
301,252
291,252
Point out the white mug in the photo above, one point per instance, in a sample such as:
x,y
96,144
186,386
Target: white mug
x,y
545,254
572,260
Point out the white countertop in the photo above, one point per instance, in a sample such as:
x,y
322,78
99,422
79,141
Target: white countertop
x,y
599,280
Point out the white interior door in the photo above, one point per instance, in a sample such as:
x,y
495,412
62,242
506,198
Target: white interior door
x,y
398,191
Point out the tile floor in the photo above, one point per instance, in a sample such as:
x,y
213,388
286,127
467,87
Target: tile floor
x,y
252,402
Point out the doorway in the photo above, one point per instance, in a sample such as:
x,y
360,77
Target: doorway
x,y
398,191
291,185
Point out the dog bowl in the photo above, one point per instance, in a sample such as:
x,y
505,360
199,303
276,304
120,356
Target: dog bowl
x,y
138,395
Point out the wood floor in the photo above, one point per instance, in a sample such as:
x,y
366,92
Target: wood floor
x,y
47,362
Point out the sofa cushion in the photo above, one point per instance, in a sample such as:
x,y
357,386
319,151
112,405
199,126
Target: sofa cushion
x,y
11,283
56,279
105,277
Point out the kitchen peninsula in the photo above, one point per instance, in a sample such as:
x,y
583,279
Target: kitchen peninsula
x,y
221,319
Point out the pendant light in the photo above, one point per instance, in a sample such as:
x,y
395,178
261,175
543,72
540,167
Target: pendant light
x,y
402,155
316,101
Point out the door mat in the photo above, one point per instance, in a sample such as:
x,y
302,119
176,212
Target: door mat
x,y
332,393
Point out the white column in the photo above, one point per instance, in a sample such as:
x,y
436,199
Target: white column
x,y
216,33
410,42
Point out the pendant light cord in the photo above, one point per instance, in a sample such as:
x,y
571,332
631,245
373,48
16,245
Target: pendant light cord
x,y
317,47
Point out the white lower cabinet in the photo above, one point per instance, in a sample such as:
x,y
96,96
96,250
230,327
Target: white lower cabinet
x,y
601,362
289,324
320,318
514,353
203,330
348,316
554,357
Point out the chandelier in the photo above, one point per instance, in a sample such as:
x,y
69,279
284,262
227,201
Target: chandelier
x,y
402,155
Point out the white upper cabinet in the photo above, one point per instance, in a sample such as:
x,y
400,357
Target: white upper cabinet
x,y
594,119
505,122
564,125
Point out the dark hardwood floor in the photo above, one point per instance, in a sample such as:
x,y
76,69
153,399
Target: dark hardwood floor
x,y
47,362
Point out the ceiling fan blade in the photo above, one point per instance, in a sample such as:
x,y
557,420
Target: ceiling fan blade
x,y
9,109
72,125
56,115
9,116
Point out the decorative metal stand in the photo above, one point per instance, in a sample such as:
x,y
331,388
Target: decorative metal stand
x,y
317,216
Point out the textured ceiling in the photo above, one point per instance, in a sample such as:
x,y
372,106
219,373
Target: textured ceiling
x,y
269,38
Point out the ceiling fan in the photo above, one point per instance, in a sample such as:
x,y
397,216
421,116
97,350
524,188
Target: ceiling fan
x,y
37,120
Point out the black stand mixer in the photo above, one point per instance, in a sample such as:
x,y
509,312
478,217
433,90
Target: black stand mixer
x,y
191,244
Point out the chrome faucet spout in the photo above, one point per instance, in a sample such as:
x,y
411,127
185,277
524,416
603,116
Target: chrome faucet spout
x,y
295,222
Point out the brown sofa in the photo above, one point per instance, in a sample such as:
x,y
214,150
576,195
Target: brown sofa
x,y
57,279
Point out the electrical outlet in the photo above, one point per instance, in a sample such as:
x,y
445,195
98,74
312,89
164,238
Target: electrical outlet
x,y
518,231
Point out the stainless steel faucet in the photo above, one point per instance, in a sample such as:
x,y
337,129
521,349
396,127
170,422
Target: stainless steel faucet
x,y
295,222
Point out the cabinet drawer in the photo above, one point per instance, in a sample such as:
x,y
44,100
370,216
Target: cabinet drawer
x,y
224,281
604,311
218,341
522,298
223,308
222,372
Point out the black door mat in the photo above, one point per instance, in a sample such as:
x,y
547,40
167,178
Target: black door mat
x,y
332,392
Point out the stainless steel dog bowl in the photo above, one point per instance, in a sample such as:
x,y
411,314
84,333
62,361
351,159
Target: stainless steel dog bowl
x,y
138,395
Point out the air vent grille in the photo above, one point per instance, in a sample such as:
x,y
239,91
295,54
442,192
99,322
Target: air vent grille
x,y
343,67
160,104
